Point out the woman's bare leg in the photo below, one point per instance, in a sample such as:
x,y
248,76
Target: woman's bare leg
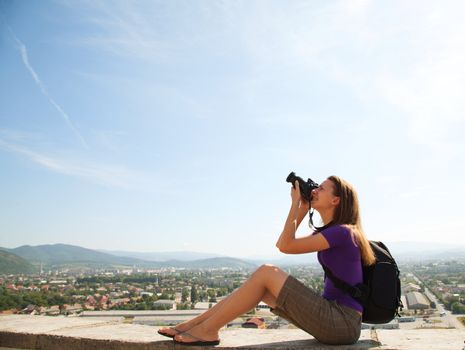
x,y
268,298
266,279
186,325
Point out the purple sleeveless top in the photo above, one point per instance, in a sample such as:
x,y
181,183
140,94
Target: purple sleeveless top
x,y
343,259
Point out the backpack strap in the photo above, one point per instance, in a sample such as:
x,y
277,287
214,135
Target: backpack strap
x,y
354,292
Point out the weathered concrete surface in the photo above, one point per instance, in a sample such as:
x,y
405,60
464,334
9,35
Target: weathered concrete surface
x,y
73,333
144,313
422,339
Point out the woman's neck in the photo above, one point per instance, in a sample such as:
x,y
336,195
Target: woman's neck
x,y
327,216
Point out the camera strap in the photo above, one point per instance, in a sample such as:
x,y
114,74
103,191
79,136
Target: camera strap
x,y
312,226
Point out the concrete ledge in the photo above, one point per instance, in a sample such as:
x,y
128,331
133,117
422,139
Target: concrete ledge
x,y
73,333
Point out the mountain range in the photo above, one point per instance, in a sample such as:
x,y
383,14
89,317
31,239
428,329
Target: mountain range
x,y
52,256
26,258
13,264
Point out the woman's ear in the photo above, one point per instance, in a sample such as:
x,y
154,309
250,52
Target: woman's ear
x,y
336,200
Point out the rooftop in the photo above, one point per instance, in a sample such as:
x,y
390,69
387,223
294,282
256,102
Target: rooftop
x,y
77,333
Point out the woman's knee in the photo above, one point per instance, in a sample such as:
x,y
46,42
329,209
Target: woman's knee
x,y
269,273
266,269
262,270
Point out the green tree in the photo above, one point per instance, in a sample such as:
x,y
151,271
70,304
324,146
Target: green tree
x,y
142,306
194,296
211,295
222,292
183,306
457,308
203,295
185,294
160,307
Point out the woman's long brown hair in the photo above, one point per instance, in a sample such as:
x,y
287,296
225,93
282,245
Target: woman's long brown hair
x,y
348,213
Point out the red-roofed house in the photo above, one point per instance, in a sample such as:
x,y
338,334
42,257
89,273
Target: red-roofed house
x,y
254,322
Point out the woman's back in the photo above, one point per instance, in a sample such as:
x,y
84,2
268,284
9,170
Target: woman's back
x,y
344,260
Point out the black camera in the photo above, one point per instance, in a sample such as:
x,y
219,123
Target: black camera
x,y
305,187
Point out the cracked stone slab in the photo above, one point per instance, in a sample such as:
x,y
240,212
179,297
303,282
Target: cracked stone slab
x,y
74,333
43,324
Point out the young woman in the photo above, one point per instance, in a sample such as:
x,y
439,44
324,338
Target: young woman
x,y
332,318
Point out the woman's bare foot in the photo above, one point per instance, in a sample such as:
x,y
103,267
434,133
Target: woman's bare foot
x,y
178,329
198,332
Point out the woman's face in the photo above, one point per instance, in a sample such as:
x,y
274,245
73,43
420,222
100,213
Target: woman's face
x,y
323,197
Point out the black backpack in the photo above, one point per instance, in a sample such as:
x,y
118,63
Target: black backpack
x,y
380,291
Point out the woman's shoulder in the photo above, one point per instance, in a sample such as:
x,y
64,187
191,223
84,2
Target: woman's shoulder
x,y
340,228
337,235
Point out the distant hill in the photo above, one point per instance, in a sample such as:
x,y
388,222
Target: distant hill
x,y
24,258
421,251
63,255
179,259
14,264
162,256
59,254
210,263
407,251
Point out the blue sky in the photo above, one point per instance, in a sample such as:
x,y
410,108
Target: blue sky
x,y
172,125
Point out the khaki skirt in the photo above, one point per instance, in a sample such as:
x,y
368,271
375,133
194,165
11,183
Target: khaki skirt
x,y
327,321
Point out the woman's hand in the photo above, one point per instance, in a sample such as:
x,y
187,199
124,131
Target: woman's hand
x,y
295,193
297,197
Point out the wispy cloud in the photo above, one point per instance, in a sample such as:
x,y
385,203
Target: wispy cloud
x,y
95,172
17,136
125,29
25,58
373,48
378,51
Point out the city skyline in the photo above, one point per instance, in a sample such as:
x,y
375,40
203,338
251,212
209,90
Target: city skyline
x,y
152,126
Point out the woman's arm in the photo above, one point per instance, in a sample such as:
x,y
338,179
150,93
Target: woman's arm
x,y
294,218
287,243
299,208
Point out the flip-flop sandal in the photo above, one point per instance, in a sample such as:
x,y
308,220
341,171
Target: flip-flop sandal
x,y
199,341
170,335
